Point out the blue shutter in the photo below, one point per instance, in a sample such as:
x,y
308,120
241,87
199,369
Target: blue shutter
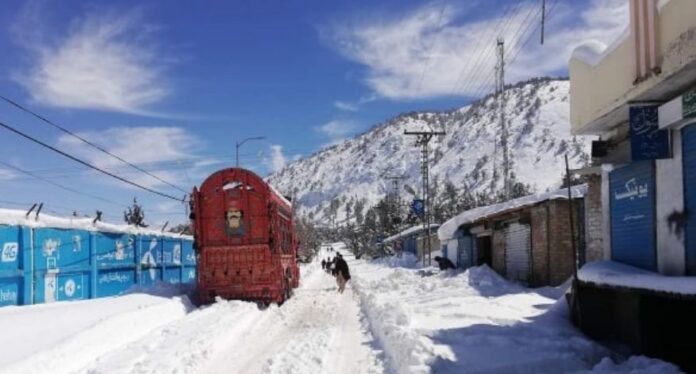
x,y
632,196
689,159
464,251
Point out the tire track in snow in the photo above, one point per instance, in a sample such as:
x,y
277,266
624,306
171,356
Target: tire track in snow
x,y
318,330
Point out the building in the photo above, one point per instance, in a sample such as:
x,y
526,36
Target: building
x,y
412,240
527,239
639,96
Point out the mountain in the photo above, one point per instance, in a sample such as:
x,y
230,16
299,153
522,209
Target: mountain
x,y
537,114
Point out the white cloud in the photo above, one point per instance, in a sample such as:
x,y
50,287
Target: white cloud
x,y
104,62
6,174
346,106
337,130
168,152
276,161
429,52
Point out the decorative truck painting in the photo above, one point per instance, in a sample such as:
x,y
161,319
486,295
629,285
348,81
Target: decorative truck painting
x,y
245,239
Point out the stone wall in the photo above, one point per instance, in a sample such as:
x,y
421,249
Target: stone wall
x,y
594,242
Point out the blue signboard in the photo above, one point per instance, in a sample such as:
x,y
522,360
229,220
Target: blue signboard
x,y
115,250
632,196
188,274
11,265
648,142
114,282
418,207
43,265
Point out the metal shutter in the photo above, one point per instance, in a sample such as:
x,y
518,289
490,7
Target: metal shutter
x,y
632,197
452,250
464,252
517,252
689,159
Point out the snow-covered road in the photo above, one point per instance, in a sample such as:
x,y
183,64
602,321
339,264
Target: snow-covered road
x,y
394,317
316,331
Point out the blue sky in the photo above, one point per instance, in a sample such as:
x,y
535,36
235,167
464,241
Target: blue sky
x,y
171,88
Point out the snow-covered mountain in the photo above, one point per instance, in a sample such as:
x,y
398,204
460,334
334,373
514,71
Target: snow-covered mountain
x,y
537,112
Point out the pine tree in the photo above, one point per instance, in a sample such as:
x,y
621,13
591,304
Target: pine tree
x,y
135,215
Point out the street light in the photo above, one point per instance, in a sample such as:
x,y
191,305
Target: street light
x,y
239,144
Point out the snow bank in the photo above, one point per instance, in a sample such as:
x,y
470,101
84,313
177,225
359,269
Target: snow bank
x,y
619,275
407,260
63,337
15,217
448,229
409,231
475,321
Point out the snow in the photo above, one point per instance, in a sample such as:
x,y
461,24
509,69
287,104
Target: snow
x,y
409,231
475,321
350,172
590,52
64,336
449,228
620,275
394,317
15,217
280,195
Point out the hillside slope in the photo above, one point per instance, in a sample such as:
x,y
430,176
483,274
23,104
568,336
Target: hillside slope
x,y
537,113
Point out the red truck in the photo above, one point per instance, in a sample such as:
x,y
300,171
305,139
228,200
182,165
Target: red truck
x,y
244,239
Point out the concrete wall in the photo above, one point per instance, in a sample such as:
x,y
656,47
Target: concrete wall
x,y
606,216
591,108
671,251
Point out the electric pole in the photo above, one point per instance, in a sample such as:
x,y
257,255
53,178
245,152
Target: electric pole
x,y
543,19
422,140
500,96
393,197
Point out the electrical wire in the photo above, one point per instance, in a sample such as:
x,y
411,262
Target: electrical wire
x,y
93,145
85,163
103,199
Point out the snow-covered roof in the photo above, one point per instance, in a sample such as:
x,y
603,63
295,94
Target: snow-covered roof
x,y
15,217
620,275
409,231
282,197
448,228
592,52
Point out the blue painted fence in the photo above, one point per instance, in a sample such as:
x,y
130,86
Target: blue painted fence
x,y
43,265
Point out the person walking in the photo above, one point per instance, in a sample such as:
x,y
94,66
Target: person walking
x,y
342,273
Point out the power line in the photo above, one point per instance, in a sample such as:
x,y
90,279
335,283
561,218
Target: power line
x,y
516,37
96,146
12,129
478,68
519,36
477,59
103,199
427,56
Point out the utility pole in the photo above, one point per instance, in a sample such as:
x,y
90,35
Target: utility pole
x,y
543,19
422,140
500,95
393,197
